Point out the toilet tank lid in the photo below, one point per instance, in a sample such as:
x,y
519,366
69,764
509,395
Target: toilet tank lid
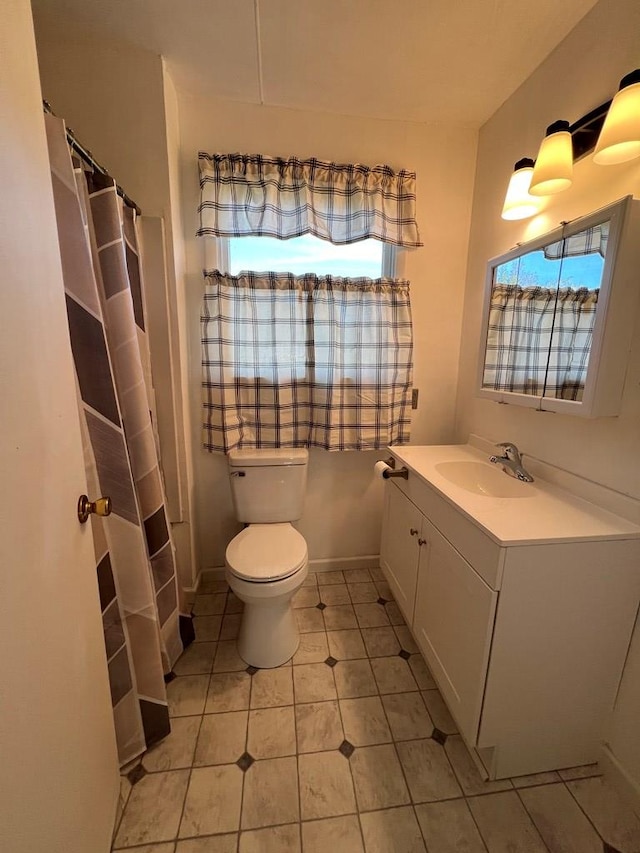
x,y
276,456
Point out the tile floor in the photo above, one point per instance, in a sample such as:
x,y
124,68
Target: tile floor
x,y
348,748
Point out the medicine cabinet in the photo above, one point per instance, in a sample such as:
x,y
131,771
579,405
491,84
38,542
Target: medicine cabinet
x,y
559,315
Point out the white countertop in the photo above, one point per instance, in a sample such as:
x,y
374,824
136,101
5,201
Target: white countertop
x,y
543,512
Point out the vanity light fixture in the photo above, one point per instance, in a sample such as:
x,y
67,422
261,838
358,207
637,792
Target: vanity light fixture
x,y
612,129
619,139
518,204
553,171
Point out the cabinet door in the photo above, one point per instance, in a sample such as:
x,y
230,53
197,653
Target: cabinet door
x,y
453,625
399,549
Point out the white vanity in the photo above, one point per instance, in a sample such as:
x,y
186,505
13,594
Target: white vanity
x,y
522,598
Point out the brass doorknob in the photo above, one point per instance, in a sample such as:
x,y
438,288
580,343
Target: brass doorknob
x,y
101,506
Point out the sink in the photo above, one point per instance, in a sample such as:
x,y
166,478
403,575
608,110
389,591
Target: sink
x,y
483,479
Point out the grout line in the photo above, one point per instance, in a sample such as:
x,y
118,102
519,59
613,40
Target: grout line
x,y
119,821
244,772
533,823
582,809
186,790
348,760
476,824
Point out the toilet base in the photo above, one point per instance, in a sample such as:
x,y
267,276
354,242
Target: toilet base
x,y
269,634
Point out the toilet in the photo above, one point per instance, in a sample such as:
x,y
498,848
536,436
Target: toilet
x,y
267,562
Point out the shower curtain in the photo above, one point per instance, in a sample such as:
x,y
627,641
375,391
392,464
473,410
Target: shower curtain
x,y
139,597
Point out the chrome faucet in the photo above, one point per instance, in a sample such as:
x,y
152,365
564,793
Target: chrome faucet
x,y
511,462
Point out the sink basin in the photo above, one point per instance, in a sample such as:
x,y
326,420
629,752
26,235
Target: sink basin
x,y
483,479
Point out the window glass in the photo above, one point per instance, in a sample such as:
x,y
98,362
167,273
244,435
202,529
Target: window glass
x,y
306,254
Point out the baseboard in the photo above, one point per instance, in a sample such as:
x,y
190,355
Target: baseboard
x,y
620,778
213,573
331,564
190,592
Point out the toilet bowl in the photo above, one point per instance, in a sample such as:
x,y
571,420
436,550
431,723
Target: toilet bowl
x,y
266,564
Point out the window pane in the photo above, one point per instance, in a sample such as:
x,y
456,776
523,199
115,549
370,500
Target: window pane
x,y
306,254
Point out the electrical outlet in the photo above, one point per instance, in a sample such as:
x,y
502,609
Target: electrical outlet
x,y
414,398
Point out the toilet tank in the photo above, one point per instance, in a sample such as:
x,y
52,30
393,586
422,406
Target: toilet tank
x,y
268,485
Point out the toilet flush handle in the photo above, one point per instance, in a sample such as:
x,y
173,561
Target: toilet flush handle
x,y
238,474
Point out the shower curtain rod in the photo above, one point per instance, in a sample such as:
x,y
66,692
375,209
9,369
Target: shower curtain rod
x,y
87,156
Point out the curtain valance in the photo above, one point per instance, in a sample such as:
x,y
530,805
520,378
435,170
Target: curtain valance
x,y
251,194
305,361
586,242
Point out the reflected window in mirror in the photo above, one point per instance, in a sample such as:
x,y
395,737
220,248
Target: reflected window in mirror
x,y
582,268
521,314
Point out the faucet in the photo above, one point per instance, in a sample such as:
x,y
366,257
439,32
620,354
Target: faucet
x,y
511,462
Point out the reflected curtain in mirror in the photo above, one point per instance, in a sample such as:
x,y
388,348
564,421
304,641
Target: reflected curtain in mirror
x,y
539,339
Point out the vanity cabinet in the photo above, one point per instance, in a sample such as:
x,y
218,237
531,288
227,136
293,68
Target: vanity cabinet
x,y
400,549
525,640
438,591
453,623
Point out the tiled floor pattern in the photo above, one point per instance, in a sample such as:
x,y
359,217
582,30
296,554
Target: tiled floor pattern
x,y
348,748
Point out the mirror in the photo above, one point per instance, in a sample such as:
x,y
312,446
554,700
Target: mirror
x,y
545,312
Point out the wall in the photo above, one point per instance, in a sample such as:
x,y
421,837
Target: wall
x,y
58,773
343,510
580,74
121,104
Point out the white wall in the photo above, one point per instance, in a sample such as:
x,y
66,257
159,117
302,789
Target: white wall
x,y
580,74
58,768
343,512
121,104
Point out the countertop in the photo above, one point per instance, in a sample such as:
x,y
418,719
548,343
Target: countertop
x,y
538,512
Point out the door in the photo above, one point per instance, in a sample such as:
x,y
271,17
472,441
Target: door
x,y
59,774
454,617
399,548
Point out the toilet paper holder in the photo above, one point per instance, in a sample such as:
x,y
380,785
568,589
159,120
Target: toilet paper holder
x,y
400,472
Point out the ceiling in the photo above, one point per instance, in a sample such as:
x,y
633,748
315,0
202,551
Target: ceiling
x,y
414,60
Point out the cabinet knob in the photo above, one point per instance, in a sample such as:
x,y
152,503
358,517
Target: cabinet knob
x,y
422,542
413,531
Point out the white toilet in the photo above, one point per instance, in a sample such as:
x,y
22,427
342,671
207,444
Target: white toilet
x,y
266,563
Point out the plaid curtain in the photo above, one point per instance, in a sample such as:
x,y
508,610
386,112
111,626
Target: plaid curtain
x,y
586,242
305,361
571,343
539,339
250,194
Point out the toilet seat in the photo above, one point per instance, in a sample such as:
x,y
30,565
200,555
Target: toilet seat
x,y
266,552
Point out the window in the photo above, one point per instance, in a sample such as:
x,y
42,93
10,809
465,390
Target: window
x,y
305,361
287,346
307,338
299,255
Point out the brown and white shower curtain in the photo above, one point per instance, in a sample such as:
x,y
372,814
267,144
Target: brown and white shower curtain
x,y
134,551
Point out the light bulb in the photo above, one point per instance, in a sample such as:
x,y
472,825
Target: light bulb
x,y
518,204
553,171
619,138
